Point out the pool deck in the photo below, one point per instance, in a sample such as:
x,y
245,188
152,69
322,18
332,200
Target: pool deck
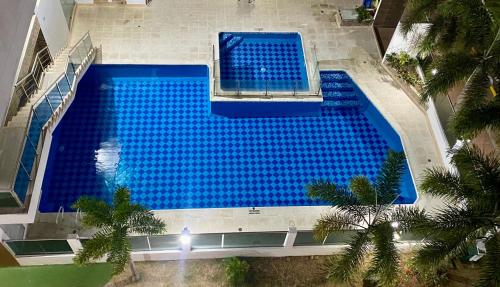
x,y
181,32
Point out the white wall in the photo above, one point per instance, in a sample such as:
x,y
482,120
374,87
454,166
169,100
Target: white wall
x,y
15,19
53,24
409,43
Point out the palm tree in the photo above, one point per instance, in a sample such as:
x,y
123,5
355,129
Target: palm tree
x,y
473,212
463,38
365,207
115,222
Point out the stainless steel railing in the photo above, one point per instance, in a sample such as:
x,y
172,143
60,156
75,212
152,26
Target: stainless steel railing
x,y
27,86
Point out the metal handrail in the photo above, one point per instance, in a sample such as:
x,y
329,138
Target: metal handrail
x,y
33,67
60,211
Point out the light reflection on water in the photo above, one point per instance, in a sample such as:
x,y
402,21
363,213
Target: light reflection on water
x,y
107,163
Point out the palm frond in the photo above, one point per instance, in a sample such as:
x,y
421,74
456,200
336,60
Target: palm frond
x,y
490,265
418,11
96,212
95,248
385,262
348,262
389,179
331,193
334,222
119,250
440,182
144,222
458,219
493,7
480,171
363,190
469,121
121,196
413,219
451,69
435,253
122,208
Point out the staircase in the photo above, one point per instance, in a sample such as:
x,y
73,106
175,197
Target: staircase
x,y
338,90
61,65
228,42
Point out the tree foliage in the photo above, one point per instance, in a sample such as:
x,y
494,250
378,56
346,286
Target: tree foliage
x,y
367,208
463,37
114,222
472,213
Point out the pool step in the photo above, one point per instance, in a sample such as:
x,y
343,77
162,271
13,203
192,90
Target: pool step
x,y
338,90
225,38
343,104
337,95
334,76
336,86
231,44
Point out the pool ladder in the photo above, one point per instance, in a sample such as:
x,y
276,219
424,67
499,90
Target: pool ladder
x,y
60,212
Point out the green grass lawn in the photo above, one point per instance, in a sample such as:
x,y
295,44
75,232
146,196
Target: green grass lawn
x,y
56,276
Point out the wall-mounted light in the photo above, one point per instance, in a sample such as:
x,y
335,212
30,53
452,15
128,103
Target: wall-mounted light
x,y
185,238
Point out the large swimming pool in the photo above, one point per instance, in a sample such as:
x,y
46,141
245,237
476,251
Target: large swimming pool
x,y
262,61
151,128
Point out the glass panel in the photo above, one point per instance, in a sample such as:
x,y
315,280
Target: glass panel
x,y
81,51
139,243
254,239
408,236
54,98
444,110
162,242
305,238
63,86
75,59
7,200
43,110
21,184
84,241
206,241
40,247
70,72
340,237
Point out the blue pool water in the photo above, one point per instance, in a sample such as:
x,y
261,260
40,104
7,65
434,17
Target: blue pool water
x,y
260,61
150,128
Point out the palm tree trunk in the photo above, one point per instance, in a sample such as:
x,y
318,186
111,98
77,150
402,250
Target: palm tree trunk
x,y
135,275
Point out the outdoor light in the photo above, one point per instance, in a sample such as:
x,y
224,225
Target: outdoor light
x,y
185,236
434,72
396,236
395,224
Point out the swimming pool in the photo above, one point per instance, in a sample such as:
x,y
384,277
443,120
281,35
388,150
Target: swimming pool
x,y
150,128
262,61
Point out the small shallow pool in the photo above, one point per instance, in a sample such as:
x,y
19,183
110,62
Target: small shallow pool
x,y
262,61
151,128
